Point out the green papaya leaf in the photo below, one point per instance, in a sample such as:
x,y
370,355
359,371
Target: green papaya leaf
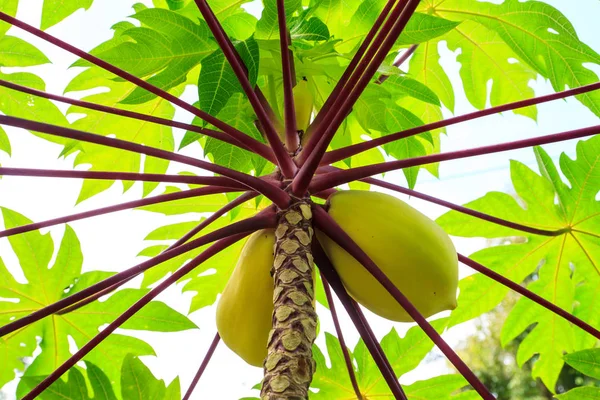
x,y
537,33
75,388
405,86
53,11
585,361
267,26
587,393
4,142
47,285
209,279
137,382
9,7
312,29
217,81
405,354
566,265
15,52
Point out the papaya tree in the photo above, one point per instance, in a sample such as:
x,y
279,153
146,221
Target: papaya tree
x,y
291,108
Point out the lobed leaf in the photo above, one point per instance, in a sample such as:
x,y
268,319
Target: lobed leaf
x,y
566,267
45,286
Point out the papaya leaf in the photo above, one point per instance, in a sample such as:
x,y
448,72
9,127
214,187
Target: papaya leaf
x,y
567,266
189,44
15,52
537,33
240,115
587,393
23,105
404,354
585,361
9,7
312,29
267,26
137,382
424,67
45,286
188,8
208,279
53,12
217,81
108,159
405,86
240,26
168,46
399,119
75,387
484,57
4,142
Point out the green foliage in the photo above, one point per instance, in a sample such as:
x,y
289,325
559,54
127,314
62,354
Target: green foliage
x,y
535,34
500,47
404,355
53,12
137,382
48,283
217,81
567,264
588,362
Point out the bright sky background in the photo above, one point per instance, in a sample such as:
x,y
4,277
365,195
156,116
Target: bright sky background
x,y
111,242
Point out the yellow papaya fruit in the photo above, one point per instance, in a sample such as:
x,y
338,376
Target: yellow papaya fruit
x,y
304,103
412,250
246,305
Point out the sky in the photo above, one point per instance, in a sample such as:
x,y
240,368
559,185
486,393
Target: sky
x,y
111,242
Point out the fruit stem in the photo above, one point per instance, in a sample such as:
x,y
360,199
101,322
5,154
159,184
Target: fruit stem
x,y
289,365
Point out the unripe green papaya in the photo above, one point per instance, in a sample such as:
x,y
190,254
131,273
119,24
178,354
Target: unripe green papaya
x,y
412,250
245,308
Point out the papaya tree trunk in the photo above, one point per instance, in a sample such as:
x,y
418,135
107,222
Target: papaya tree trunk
x,y
289,366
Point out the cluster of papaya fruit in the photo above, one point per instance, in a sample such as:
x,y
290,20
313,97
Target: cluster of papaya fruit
x,y
412,250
